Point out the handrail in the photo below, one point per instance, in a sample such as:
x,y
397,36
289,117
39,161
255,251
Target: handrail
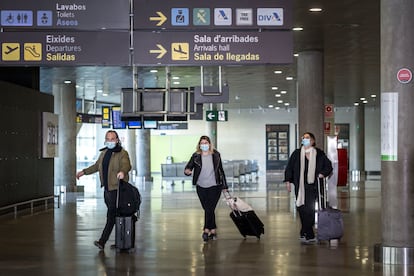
x,y
15,205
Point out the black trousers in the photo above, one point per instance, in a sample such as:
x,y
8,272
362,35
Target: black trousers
x,y
110,201
307,212
209,198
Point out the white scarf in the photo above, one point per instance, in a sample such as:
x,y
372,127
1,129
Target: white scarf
x,y
311,173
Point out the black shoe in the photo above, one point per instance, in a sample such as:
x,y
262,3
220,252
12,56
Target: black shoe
x,y
205,237
309,241
213,237
99,244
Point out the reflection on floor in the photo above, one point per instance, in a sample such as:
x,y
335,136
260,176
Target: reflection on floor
x,y
59,241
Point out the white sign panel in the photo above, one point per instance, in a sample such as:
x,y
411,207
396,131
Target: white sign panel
x,y
389,126
50,135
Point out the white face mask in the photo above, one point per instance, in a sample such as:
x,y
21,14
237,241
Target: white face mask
x,y
110,145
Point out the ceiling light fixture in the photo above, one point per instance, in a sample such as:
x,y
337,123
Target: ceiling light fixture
x,y
271,105
373,96
278,72
297,29
356,104
154,71
278,95
287,104
67,81
295,55
279,101
275,88
283,92
315,9
362,99
289,78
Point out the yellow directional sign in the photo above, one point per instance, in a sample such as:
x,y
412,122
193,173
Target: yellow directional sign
x,y
180,51
161,18
10,51
160,51
32,51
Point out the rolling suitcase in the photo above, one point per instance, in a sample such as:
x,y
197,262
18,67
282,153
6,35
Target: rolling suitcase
x,y
125,221
330,222
125,233
244,217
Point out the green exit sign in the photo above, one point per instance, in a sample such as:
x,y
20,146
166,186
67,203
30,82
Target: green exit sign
x,y
216,115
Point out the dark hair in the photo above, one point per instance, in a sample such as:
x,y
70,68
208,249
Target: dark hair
x,y
113,131
116,135
311,136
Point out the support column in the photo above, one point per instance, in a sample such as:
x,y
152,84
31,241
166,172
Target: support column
x,y
357,148
397,174
65,163
143,153
310,95
131,148
212,132
211,128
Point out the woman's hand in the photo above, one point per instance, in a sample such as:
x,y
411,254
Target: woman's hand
x,y
187,172
288,186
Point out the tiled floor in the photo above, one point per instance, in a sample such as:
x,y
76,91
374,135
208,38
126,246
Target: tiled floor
x,y
168,237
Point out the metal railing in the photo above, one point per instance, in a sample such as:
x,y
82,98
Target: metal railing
x,y
31,202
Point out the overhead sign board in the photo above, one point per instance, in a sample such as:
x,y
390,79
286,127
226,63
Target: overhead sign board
x,y
216,115
223,14
213,48
64,48
65,14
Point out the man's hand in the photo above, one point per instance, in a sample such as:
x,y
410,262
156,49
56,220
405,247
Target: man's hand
x,y
79,174
120,175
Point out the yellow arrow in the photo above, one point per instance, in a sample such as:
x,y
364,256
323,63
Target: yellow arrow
x,y
161,51
161,18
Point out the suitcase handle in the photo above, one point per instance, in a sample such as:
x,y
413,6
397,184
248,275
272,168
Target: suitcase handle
x,y
232,205
324,193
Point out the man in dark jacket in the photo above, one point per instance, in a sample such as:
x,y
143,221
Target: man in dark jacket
x,y
113,164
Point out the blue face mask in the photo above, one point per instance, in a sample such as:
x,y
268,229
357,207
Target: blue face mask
x,y
204,147
306,142
110,145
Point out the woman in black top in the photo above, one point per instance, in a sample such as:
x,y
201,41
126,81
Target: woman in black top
x,y
208,176
305,165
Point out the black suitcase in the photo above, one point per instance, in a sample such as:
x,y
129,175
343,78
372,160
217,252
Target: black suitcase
x,y
248,223
244,217
125,233
127,204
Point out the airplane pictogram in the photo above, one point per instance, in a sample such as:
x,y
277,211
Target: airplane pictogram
x,y
10,49
180,50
